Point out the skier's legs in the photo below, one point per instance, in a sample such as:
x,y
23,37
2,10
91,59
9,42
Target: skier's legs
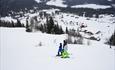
x,y
59,53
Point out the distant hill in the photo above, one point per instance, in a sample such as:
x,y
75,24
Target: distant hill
x,y
78,2
17,5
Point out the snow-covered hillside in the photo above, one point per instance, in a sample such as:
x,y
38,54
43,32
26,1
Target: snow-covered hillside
x,y
72,3
37,51
38,1
32,30
56,3
93,6
101,28
60,3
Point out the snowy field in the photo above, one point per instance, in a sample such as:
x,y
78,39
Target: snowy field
x,y
93,6
20,50
60,3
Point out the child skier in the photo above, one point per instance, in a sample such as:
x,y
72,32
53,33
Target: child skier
x,y
60,50
65,54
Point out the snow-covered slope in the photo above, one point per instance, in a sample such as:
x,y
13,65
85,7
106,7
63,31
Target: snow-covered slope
x,y
76,3
60,3
22,51
63,3
38,1
56,3
103,25
93,6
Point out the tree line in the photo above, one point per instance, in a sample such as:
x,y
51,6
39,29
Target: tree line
x,y
11,24
49,27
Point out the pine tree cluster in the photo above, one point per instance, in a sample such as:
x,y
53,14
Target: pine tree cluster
x,y
53,28
50,27
11,24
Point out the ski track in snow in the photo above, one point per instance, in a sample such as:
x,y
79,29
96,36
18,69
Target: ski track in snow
x,y
20,51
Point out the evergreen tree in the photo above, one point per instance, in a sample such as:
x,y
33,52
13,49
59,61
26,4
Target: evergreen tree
x,y
66,30
18,23
27,27
13,24
56,29
112,39
44,28
50,25
41,14
61,30
41,28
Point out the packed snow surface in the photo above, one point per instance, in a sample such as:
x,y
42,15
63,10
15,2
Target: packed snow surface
x,y
20,50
